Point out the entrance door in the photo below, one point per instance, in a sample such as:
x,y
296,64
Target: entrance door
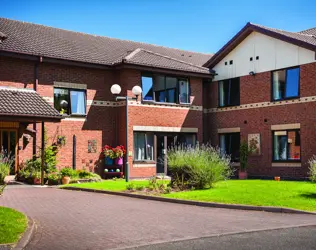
x,y
8,146
164,142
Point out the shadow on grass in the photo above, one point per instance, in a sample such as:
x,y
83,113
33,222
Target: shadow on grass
x,y
309,195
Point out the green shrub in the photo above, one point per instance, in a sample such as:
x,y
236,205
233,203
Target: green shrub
x,y
4,171
197,167
130,186
5,164
53,178
312,169
140,187
67,171
84,174
33,165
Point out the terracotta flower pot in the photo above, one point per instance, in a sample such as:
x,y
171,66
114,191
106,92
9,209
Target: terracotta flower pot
x,y
65,180
277,178
242,175
37,181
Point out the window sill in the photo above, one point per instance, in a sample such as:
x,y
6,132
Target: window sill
x,y
166,103
286,164
286,99
144,164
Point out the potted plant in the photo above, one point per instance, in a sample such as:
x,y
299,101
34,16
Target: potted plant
x,y
244,153
61,140
109,155
119,152
66,174
53,179
36,178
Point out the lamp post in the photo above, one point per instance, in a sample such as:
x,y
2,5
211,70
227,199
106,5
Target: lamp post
x,y
116,90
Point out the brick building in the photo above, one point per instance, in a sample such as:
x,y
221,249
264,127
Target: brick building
x,y
237,94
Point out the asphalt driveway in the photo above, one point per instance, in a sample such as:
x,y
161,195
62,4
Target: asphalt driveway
x,y
78,220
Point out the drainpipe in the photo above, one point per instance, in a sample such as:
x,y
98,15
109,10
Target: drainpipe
x,y
35,86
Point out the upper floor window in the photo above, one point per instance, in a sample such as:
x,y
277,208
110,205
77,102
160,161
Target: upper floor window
x,y
166,89
286,84
70,101
287,145
229,94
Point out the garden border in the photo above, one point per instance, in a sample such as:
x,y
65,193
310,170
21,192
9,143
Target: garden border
x,y
195,203
27,235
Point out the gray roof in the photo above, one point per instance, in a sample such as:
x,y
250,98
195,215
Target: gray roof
x,y
307,36
39,40
25,103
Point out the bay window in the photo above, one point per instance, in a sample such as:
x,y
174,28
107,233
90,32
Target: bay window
x,y
165,89
285,84
229,94
229,144
143,146
70,101
287,145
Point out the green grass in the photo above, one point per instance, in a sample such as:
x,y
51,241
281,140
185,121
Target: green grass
x,y
12,225
290,194
118,185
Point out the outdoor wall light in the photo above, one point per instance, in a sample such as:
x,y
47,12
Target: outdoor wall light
x,y
116,90
137,91
252,73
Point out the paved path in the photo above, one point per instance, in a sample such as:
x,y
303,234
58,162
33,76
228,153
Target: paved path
x,y
78,220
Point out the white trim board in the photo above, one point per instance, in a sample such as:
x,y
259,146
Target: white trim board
x,y
262,104
286,126
165,129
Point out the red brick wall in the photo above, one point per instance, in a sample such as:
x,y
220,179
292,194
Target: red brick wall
x,y
156,116
104,124
255,89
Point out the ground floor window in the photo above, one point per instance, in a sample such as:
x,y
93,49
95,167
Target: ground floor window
x,y
287,145
229,144
143,146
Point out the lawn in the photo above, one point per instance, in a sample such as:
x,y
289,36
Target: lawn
x,y
111,185
290,194
12,225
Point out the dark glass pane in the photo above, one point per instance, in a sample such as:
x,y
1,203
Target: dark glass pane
x,y
229,144
12,150
184,95
143,146
292,82
5,142
294,148
171,83
78,102
235,145
61,100
160,96
147,85
159,88
171,95
229,94
280,145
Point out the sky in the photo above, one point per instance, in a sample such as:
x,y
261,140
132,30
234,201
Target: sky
x,y
194,25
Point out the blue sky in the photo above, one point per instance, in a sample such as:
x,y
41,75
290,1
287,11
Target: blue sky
x,y
196,25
